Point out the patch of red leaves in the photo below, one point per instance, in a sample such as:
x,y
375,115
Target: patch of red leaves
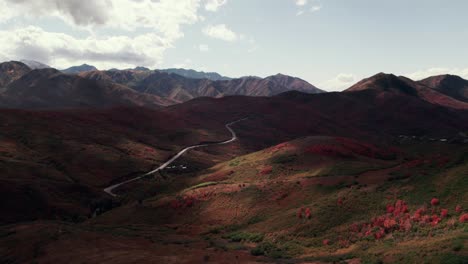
x,y
398,218
183,202
346,147
304,213
266,170
463,218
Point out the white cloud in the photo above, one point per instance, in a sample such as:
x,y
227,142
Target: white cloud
x,y
164,19
300,13
339,83
301,2
315,8
214,5
64,50
220,31
203,48
422,74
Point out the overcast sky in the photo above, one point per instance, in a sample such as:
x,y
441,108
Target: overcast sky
x,y
330,43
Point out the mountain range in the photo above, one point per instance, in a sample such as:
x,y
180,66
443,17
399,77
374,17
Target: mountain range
x,y
84,86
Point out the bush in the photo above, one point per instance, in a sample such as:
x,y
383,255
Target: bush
x,y
281,159
268,249
244,236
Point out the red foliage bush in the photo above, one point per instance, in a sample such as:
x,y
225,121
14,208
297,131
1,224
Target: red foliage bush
x,y
185,202
340,201
443,213
266,170
379,234
458,209
463,218
308,213
434,201
329,150
300,213
435,220
326,242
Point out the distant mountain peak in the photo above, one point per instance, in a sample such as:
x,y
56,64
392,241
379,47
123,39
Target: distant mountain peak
x,y
79,69
451,85
193,74
35,64
11,71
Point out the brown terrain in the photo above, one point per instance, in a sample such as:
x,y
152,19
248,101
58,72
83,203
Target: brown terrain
x,y
312,178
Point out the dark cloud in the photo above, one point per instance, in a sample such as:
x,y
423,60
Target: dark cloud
x,y
81,12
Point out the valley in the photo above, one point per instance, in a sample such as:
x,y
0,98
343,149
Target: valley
x,y
120,169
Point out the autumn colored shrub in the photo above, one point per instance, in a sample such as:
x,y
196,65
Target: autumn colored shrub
x,y
185,202
458,209
434,202
379,234
307,213
326,242
463,218
266,170
329,150
300,213
443,213
339,201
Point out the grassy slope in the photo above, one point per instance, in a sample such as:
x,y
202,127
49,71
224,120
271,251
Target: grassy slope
x,y
239,209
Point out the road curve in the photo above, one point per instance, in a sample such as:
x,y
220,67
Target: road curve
x,y
109,189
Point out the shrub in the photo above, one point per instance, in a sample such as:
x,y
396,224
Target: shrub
x,y
244,236
434,202
268,249
443,213
300,213
463,218
458,209
308,213
266,170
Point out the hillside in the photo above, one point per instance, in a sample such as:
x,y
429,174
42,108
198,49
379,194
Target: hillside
x,y
11,71
389,83
49,88
451,85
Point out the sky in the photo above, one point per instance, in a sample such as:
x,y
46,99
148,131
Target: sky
x,y
329,43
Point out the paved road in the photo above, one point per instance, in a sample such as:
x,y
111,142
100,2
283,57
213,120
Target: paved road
x,y
171,160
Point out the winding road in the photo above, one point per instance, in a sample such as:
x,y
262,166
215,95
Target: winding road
x,y
109,190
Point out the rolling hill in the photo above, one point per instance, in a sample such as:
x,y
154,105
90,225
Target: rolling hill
x,y
49,88
11,71
450,85
389,83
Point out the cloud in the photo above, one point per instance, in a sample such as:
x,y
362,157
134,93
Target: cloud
x,y
300,13
203,48
315,8
221,32
422,74
123,32
339,83
214,5
301,2
62,49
